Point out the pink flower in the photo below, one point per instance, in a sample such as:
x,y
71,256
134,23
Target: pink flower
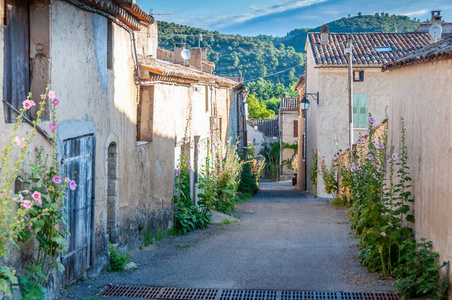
x,y
72,185
14,199
211,132
43,96
373,164
28,104
52,95
56,179
370,120
363,141
189,167
374,142
177,172
17,141
28,228
389,161
404,128
39,201
370,156
21,198
395,156
53,126
66,180
25,192
27,204
374,176
36,196
55,101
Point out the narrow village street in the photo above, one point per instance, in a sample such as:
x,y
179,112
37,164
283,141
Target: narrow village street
x,y
285,240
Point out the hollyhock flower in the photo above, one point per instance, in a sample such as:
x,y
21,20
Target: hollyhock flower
x,y
189,167
363,140
373,164
25,192
55,101
395,156
27,104
72,185
66,180
52,95
36,196
27,204
21,198
389,161
370,156
178,172
370,120
374,142
374,176
43,96
14,199
404,128
211,132
56,179
17,141
53,126
370,149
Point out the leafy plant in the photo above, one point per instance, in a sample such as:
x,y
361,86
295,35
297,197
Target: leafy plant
x,y
148,239
118,259
313,172
417,271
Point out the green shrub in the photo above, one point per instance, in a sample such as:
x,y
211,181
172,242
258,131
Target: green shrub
x,y
248,182
118,259
417,271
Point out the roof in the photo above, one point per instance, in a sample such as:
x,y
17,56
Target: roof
x,y
441,50
160,70
289,104
268,127
364,53
124,10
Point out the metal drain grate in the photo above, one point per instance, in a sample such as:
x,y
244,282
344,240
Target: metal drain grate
x,y
144,292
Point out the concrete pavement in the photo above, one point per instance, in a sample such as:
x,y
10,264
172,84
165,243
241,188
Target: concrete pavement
x,y
285,240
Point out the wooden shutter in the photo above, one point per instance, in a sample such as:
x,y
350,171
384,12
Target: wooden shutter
x,y
295,128
16,78
359,110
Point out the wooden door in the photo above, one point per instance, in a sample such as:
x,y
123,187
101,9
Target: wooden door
x,y
78,164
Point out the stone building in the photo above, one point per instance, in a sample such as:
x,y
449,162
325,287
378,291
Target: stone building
x,y
420,89
288,124
121,118
326,75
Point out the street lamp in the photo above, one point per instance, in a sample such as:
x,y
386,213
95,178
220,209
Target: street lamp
x,y
304,104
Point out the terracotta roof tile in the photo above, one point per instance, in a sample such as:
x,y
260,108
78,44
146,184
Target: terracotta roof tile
x,y
165,71
364,44
289,104
440,50
268,127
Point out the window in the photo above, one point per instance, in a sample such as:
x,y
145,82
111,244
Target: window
x,y
26,55
359,110
146,115
358,75
295,128
110,45
383,49
16,78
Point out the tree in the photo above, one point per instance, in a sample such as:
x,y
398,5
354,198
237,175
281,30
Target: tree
x,y
258,110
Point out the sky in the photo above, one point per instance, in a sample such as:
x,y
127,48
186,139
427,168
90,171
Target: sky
x,y
278,17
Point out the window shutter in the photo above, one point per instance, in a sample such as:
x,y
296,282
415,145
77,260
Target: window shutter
x,y
356,100
359,110
363,111
295,128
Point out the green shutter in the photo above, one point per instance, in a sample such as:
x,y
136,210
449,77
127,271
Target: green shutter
x,y
359,110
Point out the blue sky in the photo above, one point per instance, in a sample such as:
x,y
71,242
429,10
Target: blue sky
x,y
277,17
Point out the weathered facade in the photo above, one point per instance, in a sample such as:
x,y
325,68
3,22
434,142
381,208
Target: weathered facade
x,y
420,88
327,74
120,126
288,124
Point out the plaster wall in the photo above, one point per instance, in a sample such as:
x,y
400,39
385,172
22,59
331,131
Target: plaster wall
x,y
255,139
328,121
422,95
287,120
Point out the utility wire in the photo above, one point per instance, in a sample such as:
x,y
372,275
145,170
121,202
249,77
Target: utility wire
x,y
274,73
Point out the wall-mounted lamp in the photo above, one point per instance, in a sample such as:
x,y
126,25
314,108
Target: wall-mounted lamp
x,y
315,96
256,127
304,104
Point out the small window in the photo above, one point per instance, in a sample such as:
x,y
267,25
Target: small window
x,y
383,49
358,75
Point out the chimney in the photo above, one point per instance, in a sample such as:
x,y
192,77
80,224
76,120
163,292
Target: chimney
x,y
178,47
436,17
195,58
324,33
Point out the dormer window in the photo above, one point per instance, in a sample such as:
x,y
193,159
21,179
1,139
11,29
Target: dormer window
x,y
383,49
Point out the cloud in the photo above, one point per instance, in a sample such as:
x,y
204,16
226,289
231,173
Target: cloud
x,y
416,13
